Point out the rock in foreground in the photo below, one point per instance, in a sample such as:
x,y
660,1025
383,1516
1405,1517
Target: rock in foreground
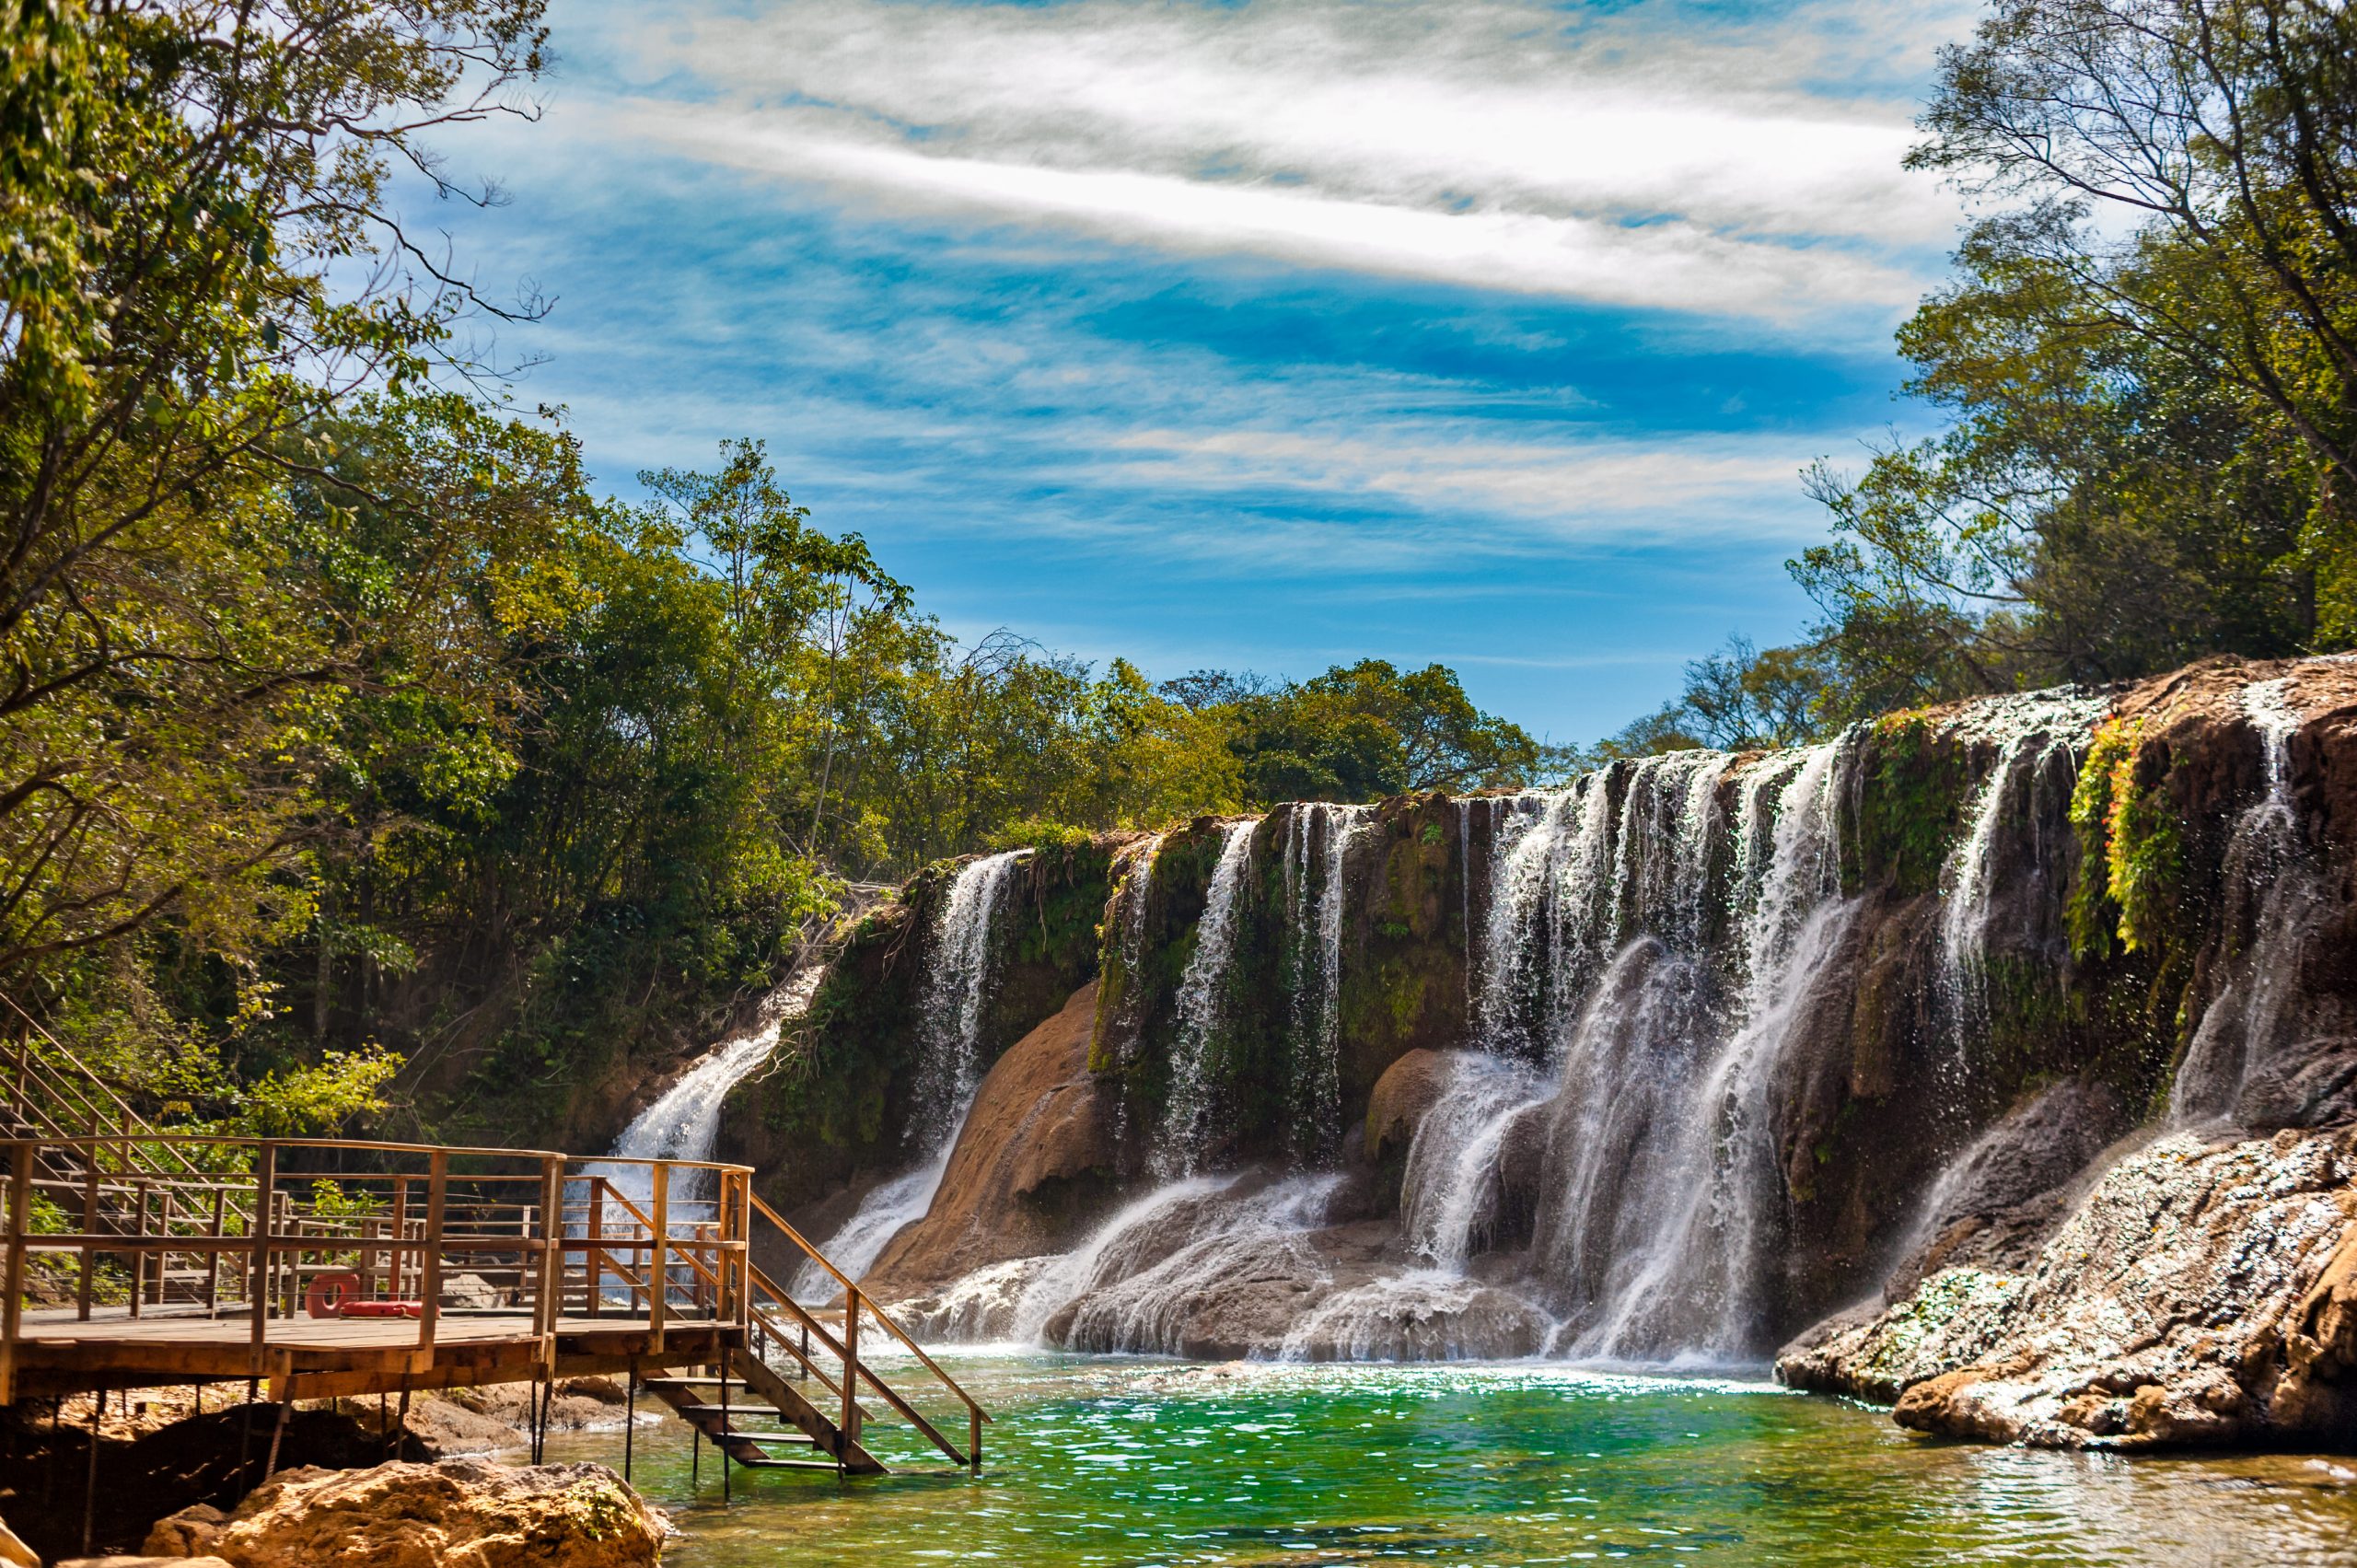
x,y
463,1512
2203,1295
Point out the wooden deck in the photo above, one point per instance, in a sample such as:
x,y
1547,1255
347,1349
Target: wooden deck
x,y
59,1354
195,1259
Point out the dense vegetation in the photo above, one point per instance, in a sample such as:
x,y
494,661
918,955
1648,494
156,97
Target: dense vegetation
x,y
337,711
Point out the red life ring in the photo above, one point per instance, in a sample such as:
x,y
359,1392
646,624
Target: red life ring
x,y
329,1292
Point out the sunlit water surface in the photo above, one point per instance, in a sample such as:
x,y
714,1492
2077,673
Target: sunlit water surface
x,y
1118,1461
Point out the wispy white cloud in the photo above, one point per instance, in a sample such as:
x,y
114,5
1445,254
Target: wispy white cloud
x,y
1623,159
1544,490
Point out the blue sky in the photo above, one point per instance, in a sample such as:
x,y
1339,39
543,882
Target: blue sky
x,y
1249,335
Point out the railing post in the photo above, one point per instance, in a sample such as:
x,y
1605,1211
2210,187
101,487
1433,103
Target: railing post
x,y
89,1213
851,1365
212,1255
139,1232
658,1267
259,1292
551,1241
740,1225
438,1182
20,1204
397,1255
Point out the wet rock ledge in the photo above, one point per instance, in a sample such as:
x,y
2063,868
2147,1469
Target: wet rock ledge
x,y
2203,1294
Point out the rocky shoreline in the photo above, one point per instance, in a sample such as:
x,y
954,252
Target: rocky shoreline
x,y
356,1483
2204,1294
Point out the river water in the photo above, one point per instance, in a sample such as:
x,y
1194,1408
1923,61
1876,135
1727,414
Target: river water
x,y
1123,1461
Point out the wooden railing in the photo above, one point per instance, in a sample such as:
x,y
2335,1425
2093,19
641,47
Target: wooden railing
x,y
856,1305
547,1237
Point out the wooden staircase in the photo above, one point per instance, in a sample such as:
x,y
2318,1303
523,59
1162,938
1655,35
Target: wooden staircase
x,y
721,1408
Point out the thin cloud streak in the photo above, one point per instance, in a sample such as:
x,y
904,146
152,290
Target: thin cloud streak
x,y
1626,160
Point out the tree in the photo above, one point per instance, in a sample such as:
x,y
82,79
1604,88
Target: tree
x,y
1738,698
2146,354
184,187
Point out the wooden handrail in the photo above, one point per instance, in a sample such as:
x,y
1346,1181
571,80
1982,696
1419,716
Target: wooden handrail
x,y
881,1316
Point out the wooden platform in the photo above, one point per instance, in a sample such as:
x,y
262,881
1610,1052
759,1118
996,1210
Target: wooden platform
x,y
319,1358
195,1259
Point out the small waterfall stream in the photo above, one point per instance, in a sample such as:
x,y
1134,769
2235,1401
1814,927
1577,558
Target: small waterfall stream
x,y
683,1122
1202,993
1317,1090
958,981
2273,894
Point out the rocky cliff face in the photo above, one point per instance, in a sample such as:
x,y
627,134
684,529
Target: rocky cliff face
x,y
1677,1061
833,1111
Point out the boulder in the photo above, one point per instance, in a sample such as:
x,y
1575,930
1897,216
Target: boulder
x,y
194,1531
14,1553
1408,1088
1033,1158
463,1512
2203,1294
470,1292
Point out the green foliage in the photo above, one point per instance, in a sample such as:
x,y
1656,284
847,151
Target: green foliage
x,y
2144,355
1358,733
320,1097
2130,885
1741,698
1911,813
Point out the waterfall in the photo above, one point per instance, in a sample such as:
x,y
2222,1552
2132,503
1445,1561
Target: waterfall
x,y
2029,732
2272,900
1201,995
1127,911
855,1247
684,1122
1679,974
1317,1088
1448,1193
1523,843
959,984
960,975
1657,1221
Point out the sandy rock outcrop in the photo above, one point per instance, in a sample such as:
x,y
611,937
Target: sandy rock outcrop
x,y
2203,1294
463,1512
1034,1156
1408,1088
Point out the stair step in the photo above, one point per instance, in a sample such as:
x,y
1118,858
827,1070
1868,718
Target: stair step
x,y
828,1465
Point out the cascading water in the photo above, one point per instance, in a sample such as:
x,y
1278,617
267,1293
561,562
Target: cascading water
x,y
684,1122
1675,969
1202,992
1448,1193
1317,1090
2030,733
2272,895
958,978
958,982
1663,1152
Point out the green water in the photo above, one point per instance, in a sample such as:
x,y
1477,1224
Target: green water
x,y
1129,1462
